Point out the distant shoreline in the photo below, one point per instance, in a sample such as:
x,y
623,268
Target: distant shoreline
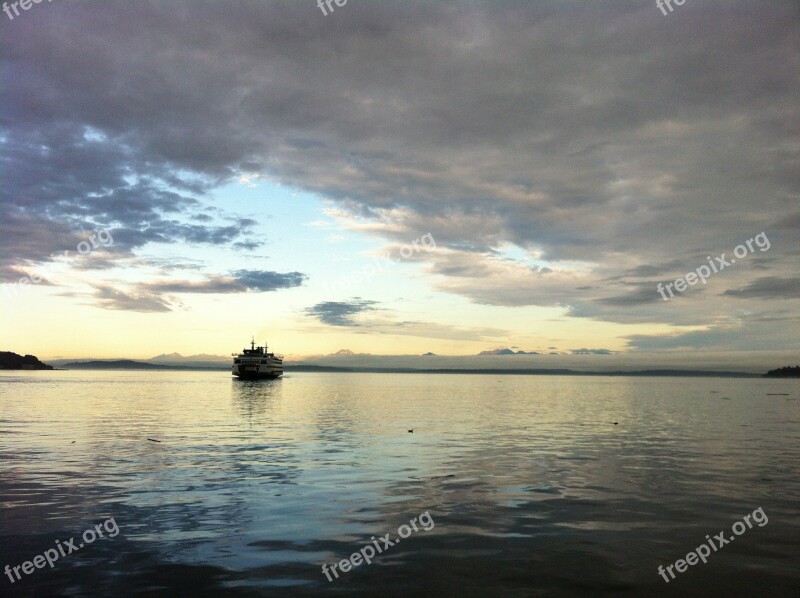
x,y
131,365
529,372
30,362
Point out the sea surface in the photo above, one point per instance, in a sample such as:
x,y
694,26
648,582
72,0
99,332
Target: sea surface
x,y
518,485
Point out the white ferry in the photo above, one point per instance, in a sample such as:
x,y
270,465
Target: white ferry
x,y
257,363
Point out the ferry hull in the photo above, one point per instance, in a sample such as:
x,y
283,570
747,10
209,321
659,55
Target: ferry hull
x,y
256,375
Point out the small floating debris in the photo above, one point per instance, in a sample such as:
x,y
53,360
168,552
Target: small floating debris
x,y
777,394
411,431
726,398
153,440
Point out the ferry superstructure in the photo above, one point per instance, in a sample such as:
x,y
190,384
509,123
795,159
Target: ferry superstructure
x,y
257,363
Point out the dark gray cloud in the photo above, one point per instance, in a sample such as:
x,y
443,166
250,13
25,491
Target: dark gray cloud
x,y
239,281
768,287
247,245
601,137
160,296
66,179
340,313
640,294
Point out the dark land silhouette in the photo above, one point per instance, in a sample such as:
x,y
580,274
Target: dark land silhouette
x,y
13,361
785,372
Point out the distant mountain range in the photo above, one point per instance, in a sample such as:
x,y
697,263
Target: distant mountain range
x,y
165,361
129,364
178,358
487,362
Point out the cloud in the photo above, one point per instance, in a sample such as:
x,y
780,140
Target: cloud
x,y
240,281
156,296
247,245
425,329
507,352
769,287
110,298
605,143
485,277
755,332
340,313
642,293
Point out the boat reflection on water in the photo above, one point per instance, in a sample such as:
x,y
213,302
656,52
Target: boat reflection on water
x,y
256,397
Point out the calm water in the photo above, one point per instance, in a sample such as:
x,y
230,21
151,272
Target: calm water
x,y
532,489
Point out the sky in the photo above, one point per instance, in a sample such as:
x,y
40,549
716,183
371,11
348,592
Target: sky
x,y
396,178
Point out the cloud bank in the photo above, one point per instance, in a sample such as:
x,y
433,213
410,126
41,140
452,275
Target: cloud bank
x,y
562,153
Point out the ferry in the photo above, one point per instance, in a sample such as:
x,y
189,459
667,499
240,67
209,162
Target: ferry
x,y
257,363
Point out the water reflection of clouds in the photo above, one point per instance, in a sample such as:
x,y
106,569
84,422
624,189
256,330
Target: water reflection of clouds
x,y
255,484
